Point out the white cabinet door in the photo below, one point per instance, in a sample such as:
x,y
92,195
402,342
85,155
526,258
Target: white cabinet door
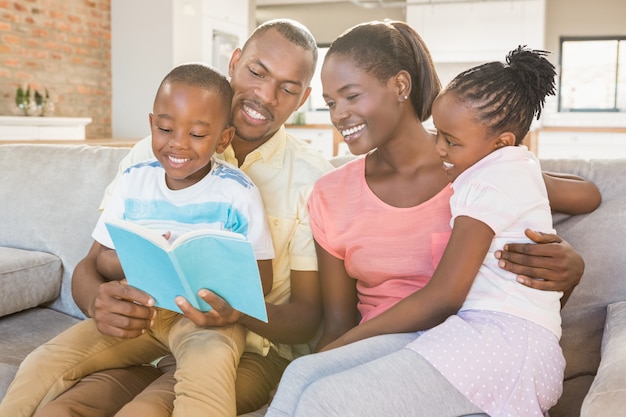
x,y
581,145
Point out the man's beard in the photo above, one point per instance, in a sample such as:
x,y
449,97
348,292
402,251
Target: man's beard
x,y
248,137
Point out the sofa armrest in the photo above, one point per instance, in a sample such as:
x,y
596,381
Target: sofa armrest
x,y
28,278
607,395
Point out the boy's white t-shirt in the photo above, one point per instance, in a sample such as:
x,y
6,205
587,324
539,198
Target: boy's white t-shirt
x,y
225,199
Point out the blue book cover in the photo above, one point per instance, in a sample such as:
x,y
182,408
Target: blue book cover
x,y
220,261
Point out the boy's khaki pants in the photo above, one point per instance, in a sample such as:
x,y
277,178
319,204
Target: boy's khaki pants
x,y
206,363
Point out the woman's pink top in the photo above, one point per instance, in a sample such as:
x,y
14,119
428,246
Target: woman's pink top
x,y
390,251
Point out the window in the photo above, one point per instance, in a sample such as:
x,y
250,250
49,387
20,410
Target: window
x,y
593,75
317,101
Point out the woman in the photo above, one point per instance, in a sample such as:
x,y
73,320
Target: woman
x,y
381,224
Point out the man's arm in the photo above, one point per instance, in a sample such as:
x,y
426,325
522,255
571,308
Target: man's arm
x,y
291,323
296,321
119,309
571,194
552,265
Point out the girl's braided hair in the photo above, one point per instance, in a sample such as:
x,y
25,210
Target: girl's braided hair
x,y
506,96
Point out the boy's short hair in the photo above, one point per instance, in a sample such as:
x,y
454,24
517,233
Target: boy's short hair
x,y
204,76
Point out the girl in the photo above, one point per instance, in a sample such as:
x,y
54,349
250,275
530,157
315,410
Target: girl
x,y
381,224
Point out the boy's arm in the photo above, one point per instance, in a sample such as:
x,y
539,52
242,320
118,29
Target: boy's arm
x,y
442,296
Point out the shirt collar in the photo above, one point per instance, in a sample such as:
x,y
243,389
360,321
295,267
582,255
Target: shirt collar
x,y
272,151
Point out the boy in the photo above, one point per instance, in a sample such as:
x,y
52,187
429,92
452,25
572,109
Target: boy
x,y
184,188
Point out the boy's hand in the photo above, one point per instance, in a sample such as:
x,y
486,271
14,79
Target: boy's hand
x,y
222,313
551,265
122,311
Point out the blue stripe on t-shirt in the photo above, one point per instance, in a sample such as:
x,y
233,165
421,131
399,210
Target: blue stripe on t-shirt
x,y
227,172
210,212
152,163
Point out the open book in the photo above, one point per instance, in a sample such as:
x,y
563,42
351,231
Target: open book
x,y
220,261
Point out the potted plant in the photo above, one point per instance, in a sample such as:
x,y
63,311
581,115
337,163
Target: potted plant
x,y
41,105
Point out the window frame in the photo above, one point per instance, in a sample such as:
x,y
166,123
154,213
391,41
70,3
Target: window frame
x,y
621,50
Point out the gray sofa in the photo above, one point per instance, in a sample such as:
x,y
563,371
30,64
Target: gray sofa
x,y
49,197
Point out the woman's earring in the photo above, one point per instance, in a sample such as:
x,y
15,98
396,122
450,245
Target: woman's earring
x,y
406,97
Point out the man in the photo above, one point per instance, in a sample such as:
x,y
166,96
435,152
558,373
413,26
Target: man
x,y
270,77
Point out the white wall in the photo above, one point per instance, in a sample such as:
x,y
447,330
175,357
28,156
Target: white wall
x,y
144,33
150,37
328,20
478,32
140,57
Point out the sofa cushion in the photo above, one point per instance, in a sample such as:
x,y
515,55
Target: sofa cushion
x,y
22,332
27,279
607,395
574,391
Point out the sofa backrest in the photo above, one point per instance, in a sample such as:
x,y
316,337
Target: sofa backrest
x,y
49,199
600,237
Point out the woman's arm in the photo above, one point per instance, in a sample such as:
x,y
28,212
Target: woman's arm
x,y
442,296
571,194
339,297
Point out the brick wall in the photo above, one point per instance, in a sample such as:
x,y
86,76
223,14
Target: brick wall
x,y
64,46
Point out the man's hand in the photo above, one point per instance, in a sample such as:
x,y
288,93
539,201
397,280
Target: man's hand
x,y
222,313
552,265
122,311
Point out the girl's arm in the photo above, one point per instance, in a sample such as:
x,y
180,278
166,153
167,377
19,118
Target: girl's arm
x,y
445,292
339,297
571,194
